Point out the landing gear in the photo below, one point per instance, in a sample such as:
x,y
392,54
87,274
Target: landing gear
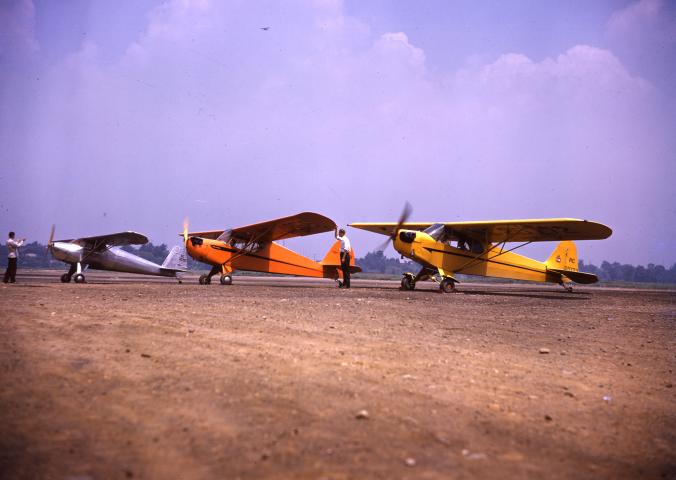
x,y
79,278
206,279
447,285
74,267
224,270
407,282
446,282
568,287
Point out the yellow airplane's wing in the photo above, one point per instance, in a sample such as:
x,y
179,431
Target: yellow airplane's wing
x,y
388,228
299,225
497,231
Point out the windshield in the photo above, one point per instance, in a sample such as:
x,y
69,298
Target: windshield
x,y
437,231
225,236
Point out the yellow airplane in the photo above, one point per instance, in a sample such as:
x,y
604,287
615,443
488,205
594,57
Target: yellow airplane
x,y
479,248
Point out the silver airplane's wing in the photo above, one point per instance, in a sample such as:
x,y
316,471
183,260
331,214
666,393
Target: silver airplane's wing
x,y
112,240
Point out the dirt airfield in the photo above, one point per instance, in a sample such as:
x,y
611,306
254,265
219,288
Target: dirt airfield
x,y
128,377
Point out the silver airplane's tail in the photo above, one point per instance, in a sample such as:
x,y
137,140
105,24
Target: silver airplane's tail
x,y
177,259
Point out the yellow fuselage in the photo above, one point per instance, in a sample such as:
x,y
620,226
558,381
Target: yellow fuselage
x,y
493,262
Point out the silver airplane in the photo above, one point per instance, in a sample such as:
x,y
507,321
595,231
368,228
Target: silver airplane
x,y
103,253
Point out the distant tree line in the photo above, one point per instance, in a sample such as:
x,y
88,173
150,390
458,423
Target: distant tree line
x,y
377,262
31,255
629,273
36,255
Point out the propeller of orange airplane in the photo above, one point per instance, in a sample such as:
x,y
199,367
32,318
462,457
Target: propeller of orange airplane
x,y
185,230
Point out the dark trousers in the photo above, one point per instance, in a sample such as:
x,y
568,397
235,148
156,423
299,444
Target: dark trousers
x,y
345,267
10,273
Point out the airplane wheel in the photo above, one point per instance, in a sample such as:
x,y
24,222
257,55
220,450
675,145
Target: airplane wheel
x,y
407,283
447,285
205,279
79,278
226,280
65,278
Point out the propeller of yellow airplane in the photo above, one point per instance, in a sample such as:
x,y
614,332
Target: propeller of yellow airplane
x,y
405,213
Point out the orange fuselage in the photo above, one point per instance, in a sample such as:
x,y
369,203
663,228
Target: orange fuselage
x,y
268,258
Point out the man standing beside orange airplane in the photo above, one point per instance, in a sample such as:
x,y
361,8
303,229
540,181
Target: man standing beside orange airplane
x,y
345,249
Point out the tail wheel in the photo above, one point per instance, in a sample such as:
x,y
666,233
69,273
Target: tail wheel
x,y
447,285
79,278
65,278
407,283
226,280
205,279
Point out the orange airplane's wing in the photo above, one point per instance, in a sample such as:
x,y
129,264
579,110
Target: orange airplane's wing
x,y
497,231
299,225
212,234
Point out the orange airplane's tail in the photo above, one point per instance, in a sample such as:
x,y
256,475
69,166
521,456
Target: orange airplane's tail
x,y
331,261
332,257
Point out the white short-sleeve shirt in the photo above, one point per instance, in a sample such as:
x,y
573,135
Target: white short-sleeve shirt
x,y
345,244
13,248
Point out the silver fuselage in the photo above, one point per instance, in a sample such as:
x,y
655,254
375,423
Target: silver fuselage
x,y
114,259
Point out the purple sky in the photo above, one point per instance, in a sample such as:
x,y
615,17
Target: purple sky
x,y
134,114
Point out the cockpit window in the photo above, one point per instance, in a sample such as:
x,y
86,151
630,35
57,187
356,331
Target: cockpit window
x,y
248,247
476,247
471,245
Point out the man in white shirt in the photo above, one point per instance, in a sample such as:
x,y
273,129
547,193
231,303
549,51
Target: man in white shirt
x,y
12,255
345,249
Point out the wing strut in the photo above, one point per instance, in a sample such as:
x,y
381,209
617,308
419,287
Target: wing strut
x,y
96,246
247,247
476,260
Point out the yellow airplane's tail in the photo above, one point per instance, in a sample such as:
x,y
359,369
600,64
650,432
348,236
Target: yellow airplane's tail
x,y
563,261
564,257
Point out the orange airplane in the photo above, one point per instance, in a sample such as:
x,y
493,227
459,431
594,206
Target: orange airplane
x,y
252,248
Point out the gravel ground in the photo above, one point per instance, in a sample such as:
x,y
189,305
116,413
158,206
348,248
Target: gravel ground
x,y
125,377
